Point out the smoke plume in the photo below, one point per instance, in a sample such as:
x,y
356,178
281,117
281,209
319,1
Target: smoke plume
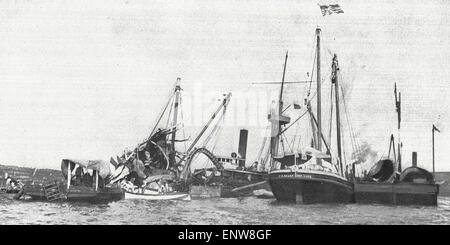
x,y
365,153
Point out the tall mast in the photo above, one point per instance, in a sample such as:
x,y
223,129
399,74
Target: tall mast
x,y
432,131
175,111
335,80
433,146
280,101
399,142
162,113
174,122
276,118
280,109
319,105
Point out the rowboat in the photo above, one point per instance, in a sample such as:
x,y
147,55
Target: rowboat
x,y
155,195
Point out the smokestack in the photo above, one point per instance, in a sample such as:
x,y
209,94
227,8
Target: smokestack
x,y
414,159
242,150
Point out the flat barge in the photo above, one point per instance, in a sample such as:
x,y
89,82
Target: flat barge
x,y
396,193
414,186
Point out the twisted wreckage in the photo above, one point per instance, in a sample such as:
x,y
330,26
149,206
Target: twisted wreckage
x,y
156,169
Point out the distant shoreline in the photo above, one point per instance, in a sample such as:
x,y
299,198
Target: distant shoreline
x,y
25,174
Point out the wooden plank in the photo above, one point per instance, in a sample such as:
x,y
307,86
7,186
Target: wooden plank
x,y
249,186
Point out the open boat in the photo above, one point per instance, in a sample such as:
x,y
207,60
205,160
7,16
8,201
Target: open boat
x,y
155,195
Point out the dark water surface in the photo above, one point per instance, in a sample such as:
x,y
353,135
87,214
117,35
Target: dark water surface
x,y
244,211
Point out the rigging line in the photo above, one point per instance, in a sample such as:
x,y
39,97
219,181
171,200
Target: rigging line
x,y
314,50
352,137
355,145
331,112
353,142
321,136
312,72
214,130
294,138
315,92
310,98
296,120
170,113
287,107
267,159
297,138
262,159
348,122
298,145
219,130
282,143
352,132
345,156
263,145
218,126
159,119
162,113
206,126
287,142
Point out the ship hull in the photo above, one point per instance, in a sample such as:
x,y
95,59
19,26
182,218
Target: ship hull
x,y
238,183
397,194
88,194
77,194
310,187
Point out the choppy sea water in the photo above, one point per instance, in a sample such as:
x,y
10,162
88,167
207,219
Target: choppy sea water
x,y
239,211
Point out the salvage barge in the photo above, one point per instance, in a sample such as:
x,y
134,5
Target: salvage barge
x,y
414,186
386,183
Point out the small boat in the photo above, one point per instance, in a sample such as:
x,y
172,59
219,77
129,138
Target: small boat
x,y
263,194
158,192
155,195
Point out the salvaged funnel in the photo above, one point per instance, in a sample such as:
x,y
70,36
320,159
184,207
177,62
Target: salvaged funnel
x,y
242,150
383,170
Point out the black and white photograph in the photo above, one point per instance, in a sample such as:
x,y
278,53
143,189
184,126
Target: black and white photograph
x,y
224,112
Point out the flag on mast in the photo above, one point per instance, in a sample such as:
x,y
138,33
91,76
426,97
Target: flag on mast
x,y
331,9
436,129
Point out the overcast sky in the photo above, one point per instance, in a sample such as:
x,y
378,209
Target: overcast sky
x,y
85,79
